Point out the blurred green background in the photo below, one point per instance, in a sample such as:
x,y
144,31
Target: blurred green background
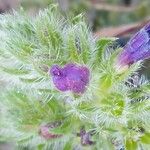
x,y
100,13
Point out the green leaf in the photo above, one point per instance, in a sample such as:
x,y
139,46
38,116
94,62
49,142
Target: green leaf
x,y
145,138
105,82
47,91
71,46
15,71
114,104
68,145
131,145
54,105
101,44
103,142
40,146
31,80
65,128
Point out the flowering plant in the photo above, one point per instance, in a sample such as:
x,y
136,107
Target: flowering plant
x,y
65,89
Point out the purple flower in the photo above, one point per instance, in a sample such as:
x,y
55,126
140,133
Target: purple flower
x,y
70,78
138,48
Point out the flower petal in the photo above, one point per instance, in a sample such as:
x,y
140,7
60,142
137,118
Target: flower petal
x,y
72,77
138,48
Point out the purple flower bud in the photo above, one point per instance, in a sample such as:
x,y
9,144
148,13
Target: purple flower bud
x,y
85,137
138,48
45,131
70,78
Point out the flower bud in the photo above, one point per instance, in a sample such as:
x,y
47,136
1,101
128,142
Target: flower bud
x,y
45,131
138,48
85,137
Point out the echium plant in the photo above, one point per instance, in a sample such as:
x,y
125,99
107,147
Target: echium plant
x,y
66,90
